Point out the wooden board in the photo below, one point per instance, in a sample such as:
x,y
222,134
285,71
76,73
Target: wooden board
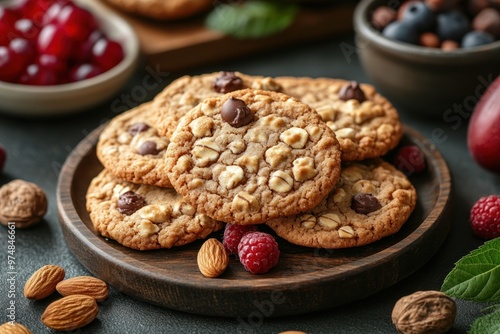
x,y
305,279
174,46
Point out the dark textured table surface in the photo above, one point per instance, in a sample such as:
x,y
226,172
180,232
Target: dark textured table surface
x,y
38,148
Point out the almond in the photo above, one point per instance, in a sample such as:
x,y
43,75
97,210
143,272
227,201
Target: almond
x,y
212,258
84,285
71,312
14,328
43,282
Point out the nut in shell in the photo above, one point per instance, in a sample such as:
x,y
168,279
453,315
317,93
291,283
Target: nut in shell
x,y
70,313
429,312
23,203
213,258
43,282
14,328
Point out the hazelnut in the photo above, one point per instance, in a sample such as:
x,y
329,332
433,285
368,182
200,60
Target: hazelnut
x,y
430,312
23,203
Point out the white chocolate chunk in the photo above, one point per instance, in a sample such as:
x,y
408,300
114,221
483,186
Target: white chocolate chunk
x,y
183,208
303,169
295,137
147,228
231,176
206,150
326,112
155,213
124,138
243,201
202,126
250,162
277,154
273,121
348,133
280,182
237,146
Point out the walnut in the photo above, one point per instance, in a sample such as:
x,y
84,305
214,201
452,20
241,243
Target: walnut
x,y
23,203
430,312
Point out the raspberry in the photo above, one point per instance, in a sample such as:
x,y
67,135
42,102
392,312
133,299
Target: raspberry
x,y
485,217
233,234
258,252
410,159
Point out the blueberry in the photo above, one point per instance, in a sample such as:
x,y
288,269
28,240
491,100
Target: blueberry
x,y
476,38
401,31
420,15
452,26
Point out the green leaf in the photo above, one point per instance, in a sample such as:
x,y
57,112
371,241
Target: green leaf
x,y
477,275
251,19
488,324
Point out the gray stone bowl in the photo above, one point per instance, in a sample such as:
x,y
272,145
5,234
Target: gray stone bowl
x,y
426,81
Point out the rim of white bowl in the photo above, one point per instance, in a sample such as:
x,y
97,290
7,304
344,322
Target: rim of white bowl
x,y
362,26
128,40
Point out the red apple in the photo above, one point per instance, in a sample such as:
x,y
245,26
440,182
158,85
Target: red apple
x,y
483,135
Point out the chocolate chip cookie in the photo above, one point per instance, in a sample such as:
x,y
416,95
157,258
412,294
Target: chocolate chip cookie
x,y
131,148
186,92
372,200
161,9
252,155
144,217
366,124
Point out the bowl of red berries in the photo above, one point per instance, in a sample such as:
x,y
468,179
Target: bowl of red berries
x,y
60,56
431,57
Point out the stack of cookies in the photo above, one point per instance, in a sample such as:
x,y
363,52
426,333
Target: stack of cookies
x,y
301,155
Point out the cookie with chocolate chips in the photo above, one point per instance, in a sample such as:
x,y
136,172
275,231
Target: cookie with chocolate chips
x,y
366,124
144,217
372,200
252,155
186,92
131,148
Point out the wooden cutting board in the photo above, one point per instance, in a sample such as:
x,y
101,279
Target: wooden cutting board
x,y
179,45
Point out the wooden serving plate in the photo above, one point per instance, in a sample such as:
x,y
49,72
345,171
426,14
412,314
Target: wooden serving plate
x,y
305,279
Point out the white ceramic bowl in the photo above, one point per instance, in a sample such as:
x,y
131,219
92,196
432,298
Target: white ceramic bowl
x,y
24,100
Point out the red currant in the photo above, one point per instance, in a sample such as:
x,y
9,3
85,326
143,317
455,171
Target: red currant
x,y
53,41
107,54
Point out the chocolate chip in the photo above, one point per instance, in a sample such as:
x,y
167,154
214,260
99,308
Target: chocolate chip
x,y
130,202
352,91
365,203
148,147
236,112
137,128
227,82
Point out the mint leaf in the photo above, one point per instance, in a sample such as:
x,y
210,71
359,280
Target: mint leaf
x,y
251,19
488,324
477,275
